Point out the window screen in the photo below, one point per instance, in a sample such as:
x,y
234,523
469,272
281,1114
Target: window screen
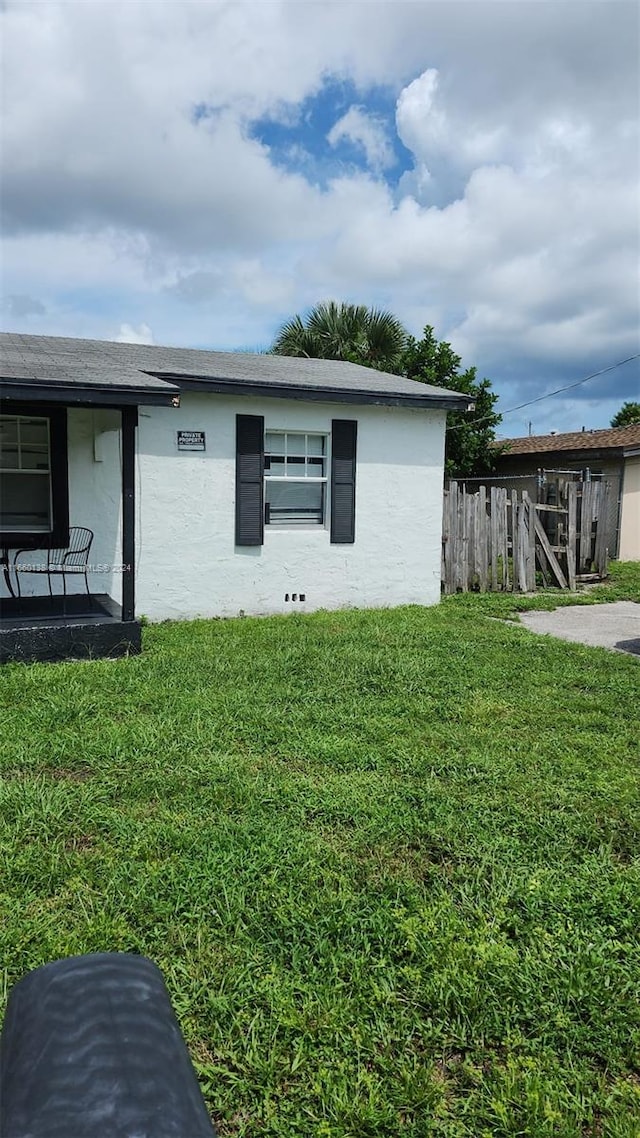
x,y
295,478
25,474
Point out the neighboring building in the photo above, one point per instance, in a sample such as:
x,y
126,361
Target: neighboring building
x,y
612,454
215,484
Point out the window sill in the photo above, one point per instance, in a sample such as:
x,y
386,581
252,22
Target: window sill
x,y
296,529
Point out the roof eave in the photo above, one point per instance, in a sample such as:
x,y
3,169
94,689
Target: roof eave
x,y
104,395
222,386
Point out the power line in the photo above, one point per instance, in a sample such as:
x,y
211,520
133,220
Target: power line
x,y
569,386
549,394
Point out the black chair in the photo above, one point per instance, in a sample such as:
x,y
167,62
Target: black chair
x,y
71,561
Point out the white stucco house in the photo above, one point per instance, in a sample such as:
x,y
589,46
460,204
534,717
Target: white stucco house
x,y
213,484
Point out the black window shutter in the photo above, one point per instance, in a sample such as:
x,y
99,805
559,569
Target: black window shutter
x,y
249,479
343,480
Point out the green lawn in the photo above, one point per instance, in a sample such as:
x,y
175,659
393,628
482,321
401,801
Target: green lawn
x,y
387,862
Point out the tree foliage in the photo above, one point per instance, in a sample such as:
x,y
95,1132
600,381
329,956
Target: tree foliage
x,y
627,416
375,338
351,332
470,440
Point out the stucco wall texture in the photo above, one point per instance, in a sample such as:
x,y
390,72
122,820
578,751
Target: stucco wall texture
x,y
187,561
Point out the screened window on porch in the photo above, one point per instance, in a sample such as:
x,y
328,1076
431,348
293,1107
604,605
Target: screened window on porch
x,y
25,474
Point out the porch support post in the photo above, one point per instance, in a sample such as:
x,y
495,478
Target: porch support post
x,y
129,423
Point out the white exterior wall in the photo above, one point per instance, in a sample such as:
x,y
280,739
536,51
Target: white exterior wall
x,y
188,564
630,519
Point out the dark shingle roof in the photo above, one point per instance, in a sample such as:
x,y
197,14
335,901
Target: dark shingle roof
x,y
53,360
77,366
613,437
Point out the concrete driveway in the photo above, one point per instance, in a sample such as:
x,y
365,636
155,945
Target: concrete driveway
x,y
615,626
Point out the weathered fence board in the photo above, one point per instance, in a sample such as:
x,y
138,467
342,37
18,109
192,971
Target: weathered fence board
x,y
601,554
529,537
572,514
499,540
504,530
550,555
482,524
586,526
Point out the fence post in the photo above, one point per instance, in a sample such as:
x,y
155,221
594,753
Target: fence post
x,y
447,540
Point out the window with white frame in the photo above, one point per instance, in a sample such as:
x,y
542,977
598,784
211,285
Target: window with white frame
x,y
295,478
25,474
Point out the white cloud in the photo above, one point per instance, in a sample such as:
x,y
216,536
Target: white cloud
x,y
516,231
438,139
419,120
129,335
366,131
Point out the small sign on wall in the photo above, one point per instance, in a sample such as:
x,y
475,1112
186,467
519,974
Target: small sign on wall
x,y
191,440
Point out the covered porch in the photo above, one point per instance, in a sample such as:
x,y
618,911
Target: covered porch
x,y
53,481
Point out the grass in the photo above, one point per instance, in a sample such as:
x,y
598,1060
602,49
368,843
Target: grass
x,y
387,862
623,585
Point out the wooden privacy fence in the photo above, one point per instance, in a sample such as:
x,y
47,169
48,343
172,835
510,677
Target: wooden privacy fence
x,y
500,540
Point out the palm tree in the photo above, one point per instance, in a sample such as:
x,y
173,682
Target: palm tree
x,y
352,332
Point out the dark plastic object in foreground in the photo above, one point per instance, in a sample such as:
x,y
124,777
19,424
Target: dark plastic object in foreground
x,y
91,1048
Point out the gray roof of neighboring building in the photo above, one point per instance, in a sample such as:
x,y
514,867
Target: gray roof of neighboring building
x,y
158,374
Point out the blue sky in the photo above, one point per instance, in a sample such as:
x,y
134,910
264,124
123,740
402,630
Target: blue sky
x,y
297,137
196,173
